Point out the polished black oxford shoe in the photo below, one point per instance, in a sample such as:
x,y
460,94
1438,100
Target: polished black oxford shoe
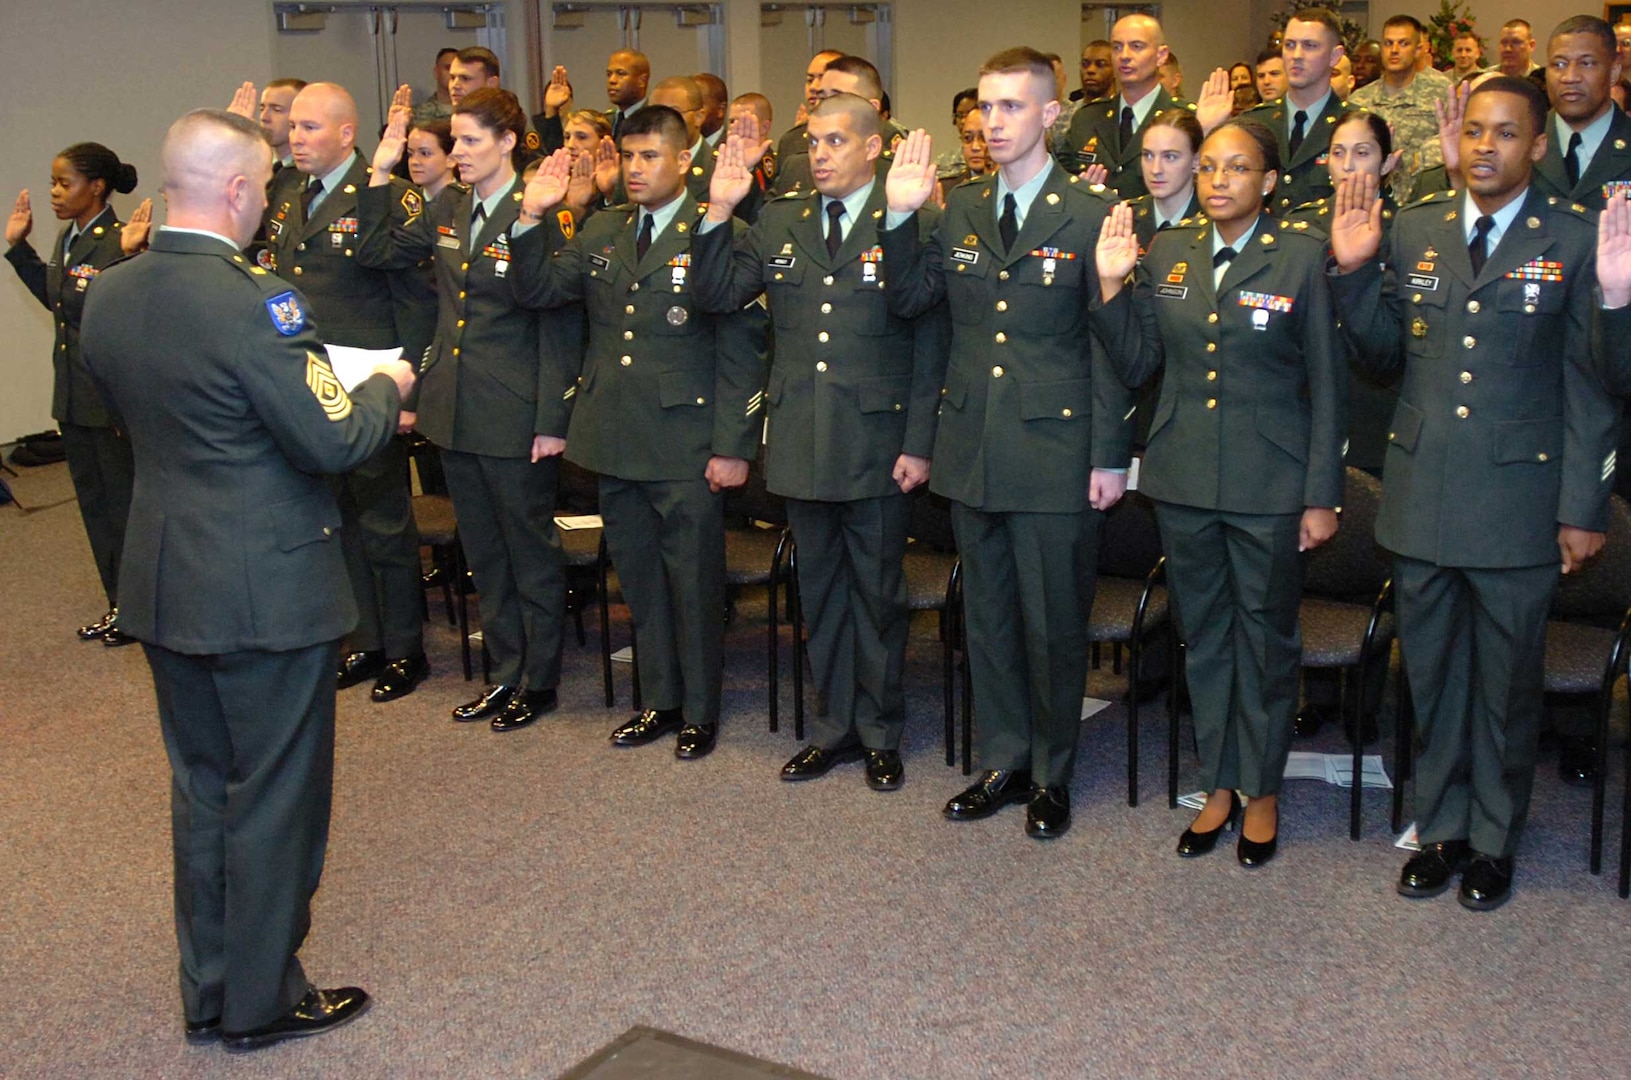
x,y
814,761
1047,815
1428,872
695,741
491,703
113,637
199,1032
400,677
994,790
648,726
358,667
884,770
1486,883
318,1012
525,706
1311,718
1577,761
95,630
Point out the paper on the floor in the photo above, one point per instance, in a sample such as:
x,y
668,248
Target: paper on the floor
x,y
476,638
1195,800
568,522
1408,839
1336,769
351,365
1091,705
625,655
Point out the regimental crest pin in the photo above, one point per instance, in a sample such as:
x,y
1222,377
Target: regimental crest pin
x,y
287,317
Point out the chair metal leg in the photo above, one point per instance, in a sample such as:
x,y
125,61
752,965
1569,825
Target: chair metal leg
x,y
1173,691
1356,792
1132,719
1402,738
446,559
602,587
774,650
1599,787
949,631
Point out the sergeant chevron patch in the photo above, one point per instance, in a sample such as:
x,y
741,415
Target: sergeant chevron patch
x,y
755,403
1609,463
326,387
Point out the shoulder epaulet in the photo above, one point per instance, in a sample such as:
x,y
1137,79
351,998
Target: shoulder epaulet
x,y
797,193
1430,199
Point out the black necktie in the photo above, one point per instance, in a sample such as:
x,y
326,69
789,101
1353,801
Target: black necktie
x,y
1571,160
1126,129
642,243
1008,224
1478,249
617,124
1298,130
475,224
1223,258
835,232
313,189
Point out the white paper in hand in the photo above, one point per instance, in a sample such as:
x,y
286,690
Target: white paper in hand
x,y
351,366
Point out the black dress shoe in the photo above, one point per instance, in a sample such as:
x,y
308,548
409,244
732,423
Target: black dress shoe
x,y
96,629
695,741
994,790
1577,761
400,677
1486,884
491,703
203,1031
1047,816
648,726
1192,843
884,770
317,1012
1255,853
814,761
113,637
525,706
1428,872
1312,717
357,667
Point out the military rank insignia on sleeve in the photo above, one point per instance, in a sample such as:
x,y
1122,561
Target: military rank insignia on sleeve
x,y
287,316
327,388
566,222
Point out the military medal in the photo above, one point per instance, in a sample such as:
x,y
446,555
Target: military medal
x,y
677,265
677,316
1418,328
336,239
1260,319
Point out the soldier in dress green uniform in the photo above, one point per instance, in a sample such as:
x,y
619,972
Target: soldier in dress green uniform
x,y
1245,457
1500,460
99,460
497,395
1034,427
1303,119
851,403
233,578
669,411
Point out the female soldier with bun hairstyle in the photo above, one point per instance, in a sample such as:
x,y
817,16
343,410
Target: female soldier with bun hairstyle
x,y
99,460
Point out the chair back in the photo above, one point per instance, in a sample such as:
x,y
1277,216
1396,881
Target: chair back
x,y
1129,540
1350,566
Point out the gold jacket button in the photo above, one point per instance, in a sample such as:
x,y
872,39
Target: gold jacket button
x,y
461,323
1469,341
297,271
1415,298
1211,346
635,287
628,335
1473,307
1466,377
1002,338
1212,318
1211,376
821,365
822,337
827,280
1002,275
996,372
628,309
1002,305
1065,413
1211,403
461,295
1462,411
455,350
464,266
327,531
1541,456
826,309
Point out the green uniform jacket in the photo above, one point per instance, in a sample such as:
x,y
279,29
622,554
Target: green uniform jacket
x,y
74,399
1031,403
1095,139
213,367
852,386
1609,171
1305,175
1504,430
1253,408
498,373
665,386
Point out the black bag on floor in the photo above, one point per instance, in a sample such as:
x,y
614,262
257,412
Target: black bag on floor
x,y
43,448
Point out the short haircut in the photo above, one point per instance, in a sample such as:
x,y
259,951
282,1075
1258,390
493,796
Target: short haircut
x,y
658,120
475,54
1021,59
1514,24
686,85
969,93
1259,133
757,102
1054,58
865,120
1171,60
830,54
1588,24
441,129
712,87
1324,16
1469,35
444,50
862,70
1378,127
1096,43
591,118
1531,94
1406,20
296,85
1180,119
1265,56
498,111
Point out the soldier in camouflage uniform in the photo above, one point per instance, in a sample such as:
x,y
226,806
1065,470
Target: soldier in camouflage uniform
x,y
1404,97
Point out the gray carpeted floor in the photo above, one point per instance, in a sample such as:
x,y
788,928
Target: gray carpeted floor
x,y
515,902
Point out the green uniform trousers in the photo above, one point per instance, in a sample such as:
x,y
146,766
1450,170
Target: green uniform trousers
x,y
1237,580
1474,647
250,737
381,545
102,469
853,589
667,540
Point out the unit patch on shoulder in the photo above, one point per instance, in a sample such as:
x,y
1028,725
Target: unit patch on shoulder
x,y
327,388
413,203
565,220
287,315
532,140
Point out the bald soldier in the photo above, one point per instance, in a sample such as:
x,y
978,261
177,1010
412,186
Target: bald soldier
x,y
233,579
311,240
